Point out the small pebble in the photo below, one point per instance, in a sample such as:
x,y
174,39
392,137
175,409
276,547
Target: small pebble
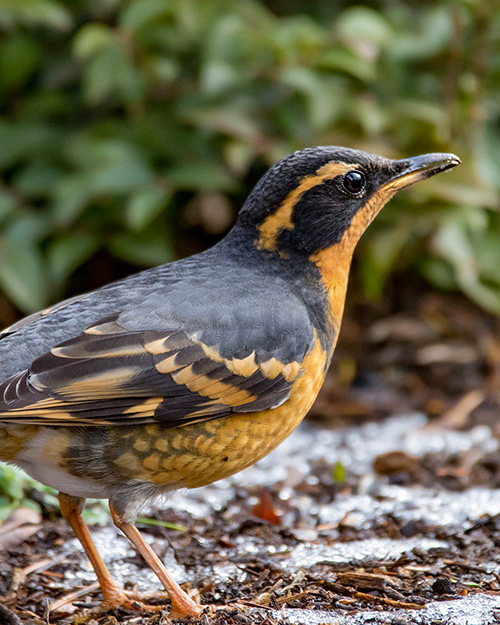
x,y
443,586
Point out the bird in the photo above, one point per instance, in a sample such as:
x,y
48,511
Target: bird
x,y
186,373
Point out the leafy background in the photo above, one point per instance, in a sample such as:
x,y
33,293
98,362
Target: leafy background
x,y
131,132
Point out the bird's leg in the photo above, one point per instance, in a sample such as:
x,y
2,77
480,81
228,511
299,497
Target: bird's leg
x,y
182,604
71,510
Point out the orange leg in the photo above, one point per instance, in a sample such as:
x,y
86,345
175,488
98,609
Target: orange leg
x,y
71,509
182,604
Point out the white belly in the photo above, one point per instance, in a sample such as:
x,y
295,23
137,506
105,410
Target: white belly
x,y
41,459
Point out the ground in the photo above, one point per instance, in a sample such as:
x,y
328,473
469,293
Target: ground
x,y
383,508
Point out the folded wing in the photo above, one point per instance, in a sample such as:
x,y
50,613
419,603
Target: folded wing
x,y
111,375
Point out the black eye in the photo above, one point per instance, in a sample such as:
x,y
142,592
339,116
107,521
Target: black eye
x,y
354,182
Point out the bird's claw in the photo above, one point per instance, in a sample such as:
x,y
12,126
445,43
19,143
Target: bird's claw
x,y
132,600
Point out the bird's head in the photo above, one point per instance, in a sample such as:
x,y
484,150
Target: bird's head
x,y
310,209
319,197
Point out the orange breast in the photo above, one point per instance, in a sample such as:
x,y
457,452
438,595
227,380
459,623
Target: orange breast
x,y
189,456
202,453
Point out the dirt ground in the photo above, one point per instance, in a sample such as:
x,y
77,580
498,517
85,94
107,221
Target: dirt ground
x,y
386,502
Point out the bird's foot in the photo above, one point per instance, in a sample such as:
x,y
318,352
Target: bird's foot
x,y
119,600
138,602
180,606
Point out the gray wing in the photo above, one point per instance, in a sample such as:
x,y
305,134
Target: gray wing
x,y
191,350
111,375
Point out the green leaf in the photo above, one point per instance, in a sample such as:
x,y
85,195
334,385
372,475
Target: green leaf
x,y
9,484
144,13
163,70
431,33
70,197
299,38
321,95
364,30
429,112
339,472
111,167
219,76
118,168
96,514
146,249
8,204
27,228
22,275
20,140
7,507
225,120
144,205
459,194
379,255
68,252
158,523
37,179
346,62
111,73
90,39
453,243
486,246
201,175
37,12
19,57
438,272
15,487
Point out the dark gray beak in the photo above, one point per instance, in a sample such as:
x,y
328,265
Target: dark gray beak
x,y
420,167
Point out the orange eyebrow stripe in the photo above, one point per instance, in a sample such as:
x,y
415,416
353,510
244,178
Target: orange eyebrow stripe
x,y
280,220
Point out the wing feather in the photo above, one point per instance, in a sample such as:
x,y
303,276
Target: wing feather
x,y
109,375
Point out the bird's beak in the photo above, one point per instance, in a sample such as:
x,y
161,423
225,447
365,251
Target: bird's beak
x,y
411,170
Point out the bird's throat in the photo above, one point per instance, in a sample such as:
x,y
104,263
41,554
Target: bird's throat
x,y
333,265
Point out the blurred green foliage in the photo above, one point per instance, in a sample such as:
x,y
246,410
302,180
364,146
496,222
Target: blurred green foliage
x,y
117,117
15,489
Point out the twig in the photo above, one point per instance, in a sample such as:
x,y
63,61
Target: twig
x,y
72,596
393,603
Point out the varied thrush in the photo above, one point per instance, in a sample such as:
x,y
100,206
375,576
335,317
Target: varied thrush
x,y
186,373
